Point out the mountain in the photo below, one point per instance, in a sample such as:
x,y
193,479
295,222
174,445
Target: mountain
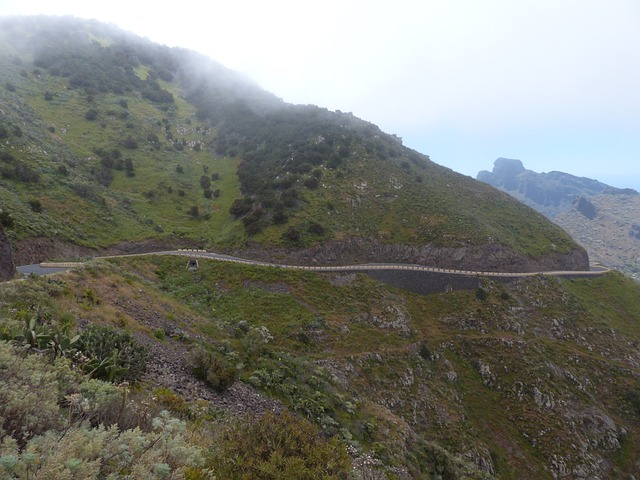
x,y
602,218
111,143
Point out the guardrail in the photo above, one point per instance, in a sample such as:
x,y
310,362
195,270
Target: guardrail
x,y
341,268
61,264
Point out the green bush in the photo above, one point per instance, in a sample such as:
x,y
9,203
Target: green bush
x,y
92,114
112,354
29,392
276,447
213,368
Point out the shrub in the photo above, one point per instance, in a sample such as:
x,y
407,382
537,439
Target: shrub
x,y
106,452
130,143
311,183
481,294
241,206
278,446
29,394
292,235
280,218
6,220
316,229
112,354
92,114
205,182
35,205
213,368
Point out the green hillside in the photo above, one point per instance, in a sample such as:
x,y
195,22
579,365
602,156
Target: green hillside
x,y
108,138
535,379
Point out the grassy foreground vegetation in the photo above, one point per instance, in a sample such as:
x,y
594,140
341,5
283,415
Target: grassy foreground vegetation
x,y
494,383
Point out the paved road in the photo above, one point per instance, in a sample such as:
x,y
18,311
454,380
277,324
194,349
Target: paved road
x,y
38,270
596,270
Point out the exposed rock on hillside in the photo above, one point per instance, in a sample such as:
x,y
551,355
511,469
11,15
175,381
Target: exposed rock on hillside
x,y
7,266
490,258
612,235
585,207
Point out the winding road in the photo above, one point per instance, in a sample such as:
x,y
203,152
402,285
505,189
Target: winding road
x,y
50,267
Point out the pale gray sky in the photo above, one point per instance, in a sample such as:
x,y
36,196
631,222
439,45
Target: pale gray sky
x,y
554,83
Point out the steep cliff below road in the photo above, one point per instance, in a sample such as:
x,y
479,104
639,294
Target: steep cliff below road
x,y
490,257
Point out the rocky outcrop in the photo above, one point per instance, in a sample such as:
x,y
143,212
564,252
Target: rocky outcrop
x,y
585,207
489,257
7,265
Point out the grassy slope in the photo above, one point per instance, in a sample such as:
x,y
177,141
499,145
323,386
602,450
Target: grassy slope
x,y
131,208
406,204
375,364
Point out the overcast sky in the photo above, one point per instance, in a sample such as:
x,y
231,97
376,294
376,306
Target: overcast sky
x,y
554,83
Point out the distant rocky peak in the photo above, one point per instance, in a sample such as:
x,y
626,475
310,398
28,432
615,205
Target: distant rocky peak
x,y
508,166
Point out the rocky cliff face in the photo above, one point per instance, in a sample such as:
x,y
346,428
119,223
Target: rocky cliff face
x,y
7,266
549,193
490,257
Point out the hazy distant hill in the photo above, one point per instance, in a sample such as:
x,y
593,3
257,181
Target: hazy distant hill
x,y
549,193
112,141
602,218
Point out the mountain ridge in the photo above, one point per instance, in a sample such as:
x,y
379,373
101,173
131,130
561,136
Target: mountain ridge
x,y
549,193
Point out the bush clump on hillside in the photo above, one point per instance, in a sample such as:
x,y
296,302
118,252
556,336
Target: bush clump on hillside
x,y
112,354
278,446
213,368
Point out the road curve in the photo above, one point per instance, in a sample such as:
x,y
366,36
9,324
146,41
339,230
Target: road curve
x,y
595,271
